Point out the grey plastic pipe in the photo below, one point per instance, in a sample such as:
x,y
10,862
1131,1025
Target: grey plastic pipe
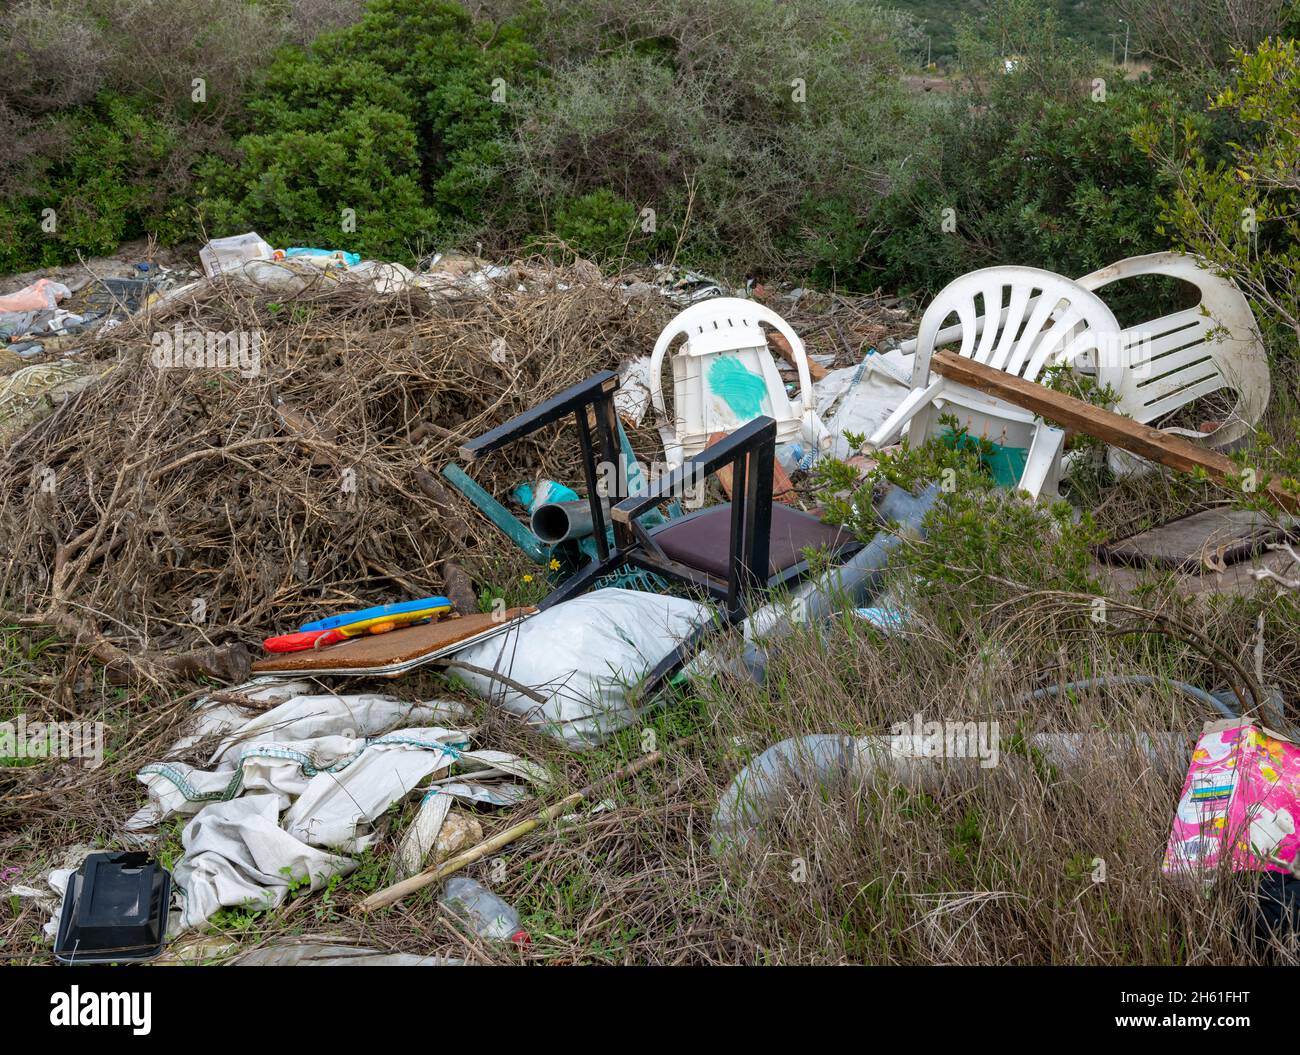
x,y
853,582
762,789
556,522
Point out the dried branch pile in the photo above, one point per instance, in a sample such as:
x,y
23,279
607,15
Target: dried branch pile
x,y
166,511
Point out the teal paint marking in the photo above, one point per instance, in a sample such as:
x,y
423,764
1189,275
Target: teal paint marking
x,y
741,388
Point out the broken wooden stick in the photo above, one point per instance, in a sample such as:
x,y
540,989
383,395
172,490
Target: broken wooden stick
x,y
394,893
782,489
815,369
1107,426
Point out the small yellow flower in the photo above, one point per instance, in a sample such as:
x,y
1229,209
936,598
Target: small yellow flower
x,y
555,564
528,578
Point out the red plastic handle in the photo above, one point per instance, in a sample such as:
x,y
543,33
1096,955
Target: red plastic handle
x,y
301,641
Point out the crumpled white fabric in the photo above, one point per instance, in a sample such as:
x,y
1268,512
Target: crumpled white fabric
x,y
334,762
308,717
334,787
335,809
276,751
862,396
236,854
216,718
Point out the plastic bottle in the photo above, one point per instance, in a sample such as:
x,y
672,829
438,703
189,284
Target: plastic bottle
x,y
485,913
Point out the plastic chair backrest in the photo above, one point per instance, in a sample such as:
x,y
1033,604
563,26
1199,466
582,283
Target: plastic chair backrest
x,y
1178,358
1022,320
724,375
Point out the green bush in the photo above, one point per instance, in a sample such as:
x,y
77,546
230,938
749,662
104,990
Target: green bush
x,y
1037,165
99,118
1240,208
111,185
392,118
1045,183
722,116
981,540
599,224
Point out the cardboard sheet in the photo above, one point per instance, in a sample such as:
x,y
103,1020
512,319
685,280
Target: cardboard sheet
x,y
397,651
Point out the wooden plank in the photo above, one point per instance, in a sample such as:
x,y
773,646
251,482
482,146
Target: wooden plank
x,y
782,489
815,369
1113,429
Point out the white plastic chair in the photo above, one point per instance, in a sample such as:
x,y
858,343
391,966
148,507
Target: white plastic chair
x,y
724,376
1042,320
1175,359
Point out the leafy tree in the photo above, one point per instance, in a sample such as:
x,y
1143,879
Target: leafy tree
x,y
1242,213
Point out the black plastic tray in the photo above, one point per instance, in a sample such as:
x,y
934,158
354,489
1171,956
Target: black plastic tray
x,y
114,910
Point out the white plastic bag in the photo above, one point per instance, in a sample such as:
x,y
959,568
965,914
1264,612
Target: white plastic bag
x,y
224,254
581,656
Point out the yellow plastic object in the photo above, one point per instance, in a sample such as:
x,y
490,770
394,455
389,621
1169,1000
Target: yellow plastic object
x,y
384,623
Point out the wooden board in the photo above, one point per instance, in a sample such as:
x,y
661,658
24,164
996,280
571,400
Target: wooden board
x,y
395,652
777,339
1114,429
1206,541
782,489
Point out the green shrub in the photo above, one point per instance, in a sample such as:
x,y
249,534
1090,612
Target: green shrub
x,y
599,224
981,540
1242,211
722,116
110,185
1037,165
392,118
98,115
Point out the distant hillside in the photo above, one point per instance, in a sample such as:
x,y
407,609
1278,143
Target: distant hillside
x,y
1093,21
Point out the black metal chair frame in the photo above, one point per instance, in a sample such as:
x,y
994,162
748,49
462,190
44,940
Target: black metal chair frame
x,y
751,453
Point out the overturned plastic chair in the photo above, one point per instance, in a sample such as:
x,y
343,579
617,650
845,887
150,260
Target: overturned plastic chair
x,y
1021,320
724,376
1176,359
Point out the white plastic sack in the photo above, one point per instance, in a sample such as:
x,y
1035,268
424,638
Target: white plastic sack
x,y
862,396
225,254
632,399
582,655
237,854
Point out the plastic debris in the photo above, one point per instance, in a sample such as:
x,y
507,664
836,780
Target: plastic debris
x,y
436,833
322,257
1241,798
580,657
41,295
482,911
762,790
115,910
225,254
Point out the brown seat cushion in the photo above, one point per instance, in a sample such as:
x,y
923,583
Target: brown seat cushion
x,y
702,540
